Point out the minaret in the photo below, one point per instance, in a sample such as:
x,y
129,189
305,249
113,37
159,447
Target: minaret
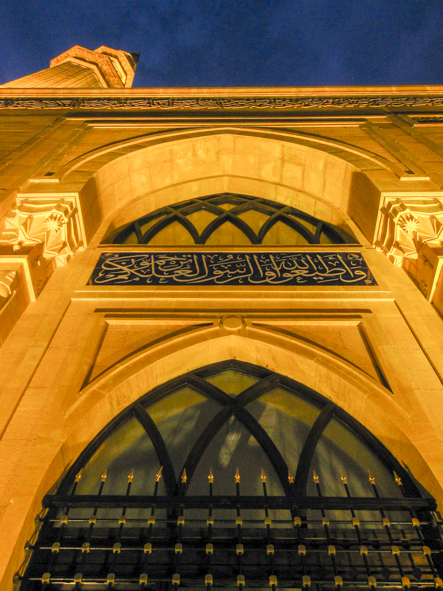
x,y
82,68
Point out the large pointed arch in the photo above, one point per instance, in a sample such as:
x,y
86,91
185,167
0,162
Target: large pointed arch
x,y
165,526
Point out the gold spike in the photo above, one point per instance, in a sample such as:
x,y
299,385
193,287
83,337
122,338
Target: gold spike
x,y
79,476
184,476
211,476
316,478
104,475
343,478
237,476
397,479
159,474
263,475
131,476
371,478
290,478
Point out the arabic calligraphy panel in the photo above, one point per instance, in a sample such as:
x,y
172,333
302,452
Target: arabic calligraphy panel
x,y
237,268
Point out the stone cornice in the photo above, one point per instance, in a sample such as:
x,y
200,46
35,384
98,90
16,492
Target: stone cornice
x,y
214,103
223,99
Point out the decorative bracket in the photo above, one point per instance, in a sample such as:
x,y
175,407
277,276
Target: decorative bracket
x,y
406,224
52,220
410,233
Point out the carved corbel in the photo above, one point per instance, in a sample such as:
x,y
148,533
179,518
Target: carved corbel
x,y
53,221
411,235
406,224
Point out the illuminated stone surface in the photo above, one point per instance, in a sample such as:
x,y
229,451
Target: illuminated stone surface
x,y
74,355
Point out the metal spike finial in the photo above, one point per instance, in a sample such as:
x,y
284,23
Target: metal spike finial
x,y
211,476
184,476
316,478
343,478
237,476
79,476
371,478
290,478
159,474
104,475
397,479
131,476
263,475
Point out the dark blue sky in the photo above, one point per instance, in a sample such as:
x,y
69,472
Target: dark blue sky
x,y
235,42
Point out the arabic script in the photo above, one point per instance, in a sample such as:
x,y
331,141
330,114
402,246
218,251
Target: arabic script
x,y
239,268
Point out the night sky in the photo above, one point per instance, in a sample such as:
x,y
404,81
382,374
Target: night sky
x,y
235,42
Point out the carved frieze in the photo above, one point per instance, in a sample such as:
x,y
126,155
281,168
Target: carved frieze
x,y
220,103
235,268
406,224
51,221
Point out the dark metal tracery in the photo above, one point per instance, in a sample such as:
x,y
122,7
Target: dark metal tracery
x,y
224,537
310,229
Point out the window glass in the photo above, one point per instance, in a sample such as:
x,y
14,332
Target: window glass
x,y
145,227
340,452
324,239
201,219
175,233
127,448
131,239
227,233
304,223
234,448
227,206
180,418
287,419
281,233
232,382
254,219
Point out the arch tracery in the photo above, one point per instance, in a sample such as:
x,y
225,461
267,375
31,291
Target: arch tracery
x,y
259,221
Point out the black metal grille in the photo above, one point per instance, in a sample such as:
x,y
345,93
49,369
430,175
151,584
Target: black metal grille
x,y
102,540
124,542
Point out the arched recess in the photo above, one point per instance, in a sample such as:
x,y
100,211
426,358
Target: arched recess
x,y
296,174
99,403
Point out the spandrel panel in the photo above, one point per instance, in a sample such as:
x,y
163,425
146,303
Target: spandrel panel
x,y
180,418
127,448
287,419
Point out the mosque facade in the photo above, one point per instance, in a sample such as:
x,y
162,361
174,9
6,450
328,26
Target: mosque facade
x,y
170,258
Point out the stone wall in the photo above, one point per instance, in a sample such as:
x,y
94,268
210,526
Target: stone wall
x,y
75,355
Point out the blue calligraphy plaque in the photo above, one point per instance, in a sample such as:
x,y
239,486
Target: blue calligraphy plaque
x,y
235,268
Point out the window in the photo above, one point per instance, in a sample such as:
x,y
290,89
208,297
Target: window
x,y
233,476
230,219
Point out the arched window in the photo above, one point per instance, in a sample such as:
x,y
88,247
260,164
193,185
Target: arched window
x,y
230,219
233,476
